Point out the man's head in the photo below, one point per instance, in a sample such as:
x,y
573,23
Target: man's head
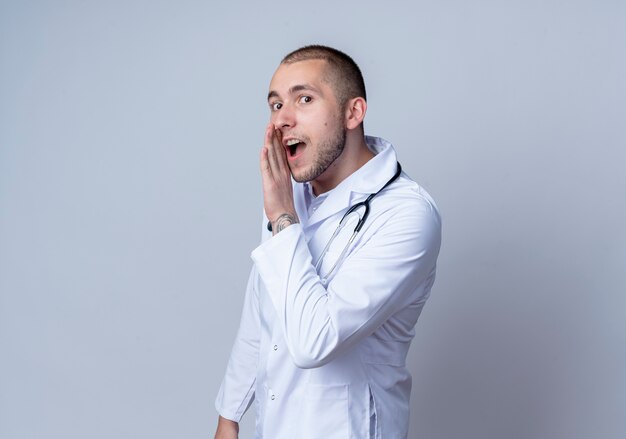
x,y
342,73
317,102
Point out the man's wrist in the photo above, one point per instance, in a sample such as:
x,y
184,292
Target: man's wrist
x,y
283,221
226,425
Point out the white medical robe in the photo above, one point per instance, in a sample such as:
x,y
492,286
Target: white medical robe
x,y
328,361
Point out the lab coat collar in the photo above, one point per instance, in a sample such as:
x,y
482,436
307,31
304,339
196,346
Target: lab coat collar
x,y
368,179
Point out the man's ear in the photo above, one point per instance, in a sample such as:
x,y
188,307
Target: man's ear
x,y
355,112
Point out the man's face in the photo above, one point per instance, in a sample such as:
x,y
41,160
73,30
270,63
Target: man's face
x,y
305,109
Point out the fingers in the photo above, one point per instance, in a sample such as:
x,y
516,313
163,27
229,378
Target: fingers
x,y
276,155
271,150
265,164
265,160
279,151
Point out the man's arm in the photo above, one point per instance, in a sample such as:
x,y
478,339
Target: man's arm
x,y
393,270
237,390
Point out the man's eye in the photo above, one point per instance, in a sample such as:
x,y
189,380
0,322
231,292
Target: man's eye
x,y
276,106
306,99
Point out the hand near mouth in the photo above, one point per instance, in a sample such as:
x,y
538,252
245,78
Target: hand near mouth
x,y
276,178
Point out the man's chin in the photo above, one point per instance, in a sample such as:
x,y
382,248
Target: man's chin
x,y
299,175
299,178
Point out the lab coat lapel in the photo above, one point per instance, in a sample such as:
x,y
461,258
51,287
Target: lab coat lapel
x,y
336,202
300,204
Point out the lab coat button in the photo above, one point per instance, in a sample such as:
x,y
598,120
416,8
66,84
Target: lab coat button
x,y
275,347
273,397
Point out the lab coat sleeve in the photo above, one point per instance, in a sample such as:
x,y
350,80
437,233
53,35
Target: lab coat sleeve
x,y
394,267
237,389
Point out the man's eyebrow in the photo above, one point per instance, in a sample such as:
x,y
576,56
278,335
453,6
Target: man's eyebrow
x,y
272,94
301,87
295,89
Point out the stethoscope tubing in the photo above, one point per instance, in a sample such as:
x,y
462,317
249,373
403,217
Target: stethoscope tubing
x,y
366,204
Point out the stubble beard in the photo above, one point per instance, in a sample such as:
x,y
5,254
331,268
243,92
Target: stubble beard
x,y
328,151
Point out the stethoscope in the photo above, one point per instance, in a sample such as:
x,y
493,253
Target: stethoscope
x,y
354,209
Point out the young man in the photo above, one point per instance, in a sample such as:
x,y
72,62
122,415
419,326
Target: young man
x,y
329,313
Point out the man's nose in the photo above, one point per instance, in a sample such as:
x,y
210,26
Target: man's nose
x,y
285,117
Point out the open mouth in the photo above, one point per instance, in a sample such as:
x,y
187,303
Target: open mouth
x,y
295,147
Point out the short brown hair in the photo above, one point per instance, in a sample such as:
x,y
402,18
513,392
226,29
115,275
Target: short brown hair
x,y
345,75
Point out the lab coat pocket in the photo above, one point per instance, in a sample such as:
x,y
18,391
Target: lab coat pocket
x,y
325,412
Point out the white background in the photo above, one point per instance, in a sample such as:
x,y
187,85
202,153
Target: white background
x,y
130,202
